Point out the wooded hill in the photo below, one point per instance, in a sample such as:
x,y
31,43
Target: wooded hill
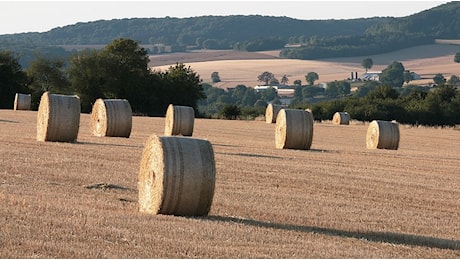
x,y
187,31
317,38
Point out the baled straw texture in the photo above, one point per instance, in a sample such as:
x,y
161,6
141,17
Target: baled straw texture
x,y
341,118
58,118
177,176
271,112
22,101
179,120
382,135
111,117
294,129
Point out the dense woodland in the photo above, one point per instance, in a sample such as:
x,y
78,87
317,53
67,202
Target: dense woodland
x,y
315,39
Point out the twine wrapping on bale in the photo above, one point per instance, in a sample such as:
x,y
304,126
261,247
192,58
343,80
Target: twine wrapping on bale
x,y
294,129
341,118
111,117
179,120
177,176
22,101
271,112
382,135
58,118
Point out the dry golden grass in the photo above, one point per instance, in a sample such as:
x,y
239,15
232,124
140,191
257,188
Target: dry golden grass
x,y
337,200
243,67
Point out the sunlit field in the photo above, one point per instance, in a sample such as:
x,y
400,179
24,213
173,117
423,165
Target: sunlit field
x,y
236,68
336,200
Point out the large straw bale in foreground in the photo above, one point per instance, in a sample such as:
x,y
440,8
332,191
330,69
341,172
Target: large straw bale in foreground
x,y
294,129
179,120
271,112
111,117
341,118
382,135
177,176
58,118
22,101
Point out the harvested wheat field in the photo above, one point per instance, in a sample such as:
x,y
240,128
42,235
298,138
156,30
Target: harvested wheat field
x,y
336,200
243,67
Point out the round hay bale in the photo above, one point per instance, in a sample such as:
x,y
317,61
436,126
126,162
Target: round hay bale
x,y
58,118
22,101
271,112
382,135
177,176
179,120
294,129
341,118
111,117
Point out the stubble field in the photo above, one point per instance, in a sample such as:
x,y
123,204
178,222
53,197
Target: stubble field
x,y
337,200
236,68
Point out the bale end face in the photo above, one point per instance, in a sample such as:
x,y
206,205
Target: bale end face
x,y
271,112
22,101
382,135
341,118
177,176
111,117
58,118
294,129
179,120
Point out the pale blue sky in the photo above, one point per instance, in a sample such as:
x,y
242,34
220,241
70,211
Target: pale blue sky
x,y
40,16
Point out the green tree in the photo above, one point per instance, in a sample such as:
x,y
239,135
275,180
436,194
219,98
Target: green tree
x,y
274,81
120,70
230,111
383,92
183,86
363,90
367,63
87,74
408,76
211,44
266,77
309,91
269,94
47,75
284,79
238,93
215,77
454,80
393,75
332,89
298,82
250,97
457,57
12,79
311,77
439,79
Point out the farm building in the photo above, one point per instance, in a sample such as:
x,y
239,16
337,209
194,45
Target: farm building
x,y
374,76
281,89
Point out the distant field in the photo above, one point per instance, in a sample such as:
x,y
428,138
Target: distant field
x,y
337,200
243,67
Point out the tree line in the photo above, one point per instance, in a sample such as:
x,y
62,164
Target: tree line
x,y
412,104
119,71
